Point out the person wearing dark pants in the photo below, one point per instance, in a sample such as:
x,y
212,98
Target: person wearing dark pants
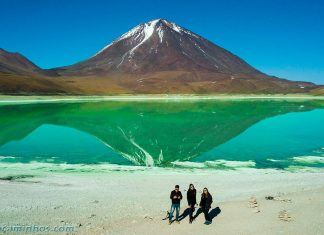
x,y
205,204
175,197
191,198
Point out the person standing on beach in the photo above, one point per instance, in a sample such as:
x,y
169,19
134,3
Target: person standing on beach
x,y
175,197
191,198
205,204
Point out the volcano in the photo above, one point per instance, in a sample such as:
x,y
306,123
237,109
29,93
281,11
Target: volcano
x,y
160,45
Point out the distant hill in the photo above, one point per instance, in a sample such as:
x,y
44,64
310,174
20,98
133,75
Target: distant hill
x,y
16,63
318,91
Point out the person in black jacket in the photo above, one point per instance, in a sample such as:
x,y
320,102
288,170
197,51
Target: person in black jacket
x,y
175,197
191,198
205,204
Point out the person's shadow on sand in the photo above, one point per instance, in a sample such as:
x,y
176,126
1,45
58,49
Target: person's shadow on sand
x,y
184,214
212,214
199,211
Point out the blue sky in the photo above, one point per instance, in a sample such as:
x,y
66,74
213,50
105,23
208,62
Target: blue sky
x,y
280,37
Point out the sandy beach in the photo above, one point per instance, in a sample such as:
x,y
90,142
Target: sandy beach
x,y
126,201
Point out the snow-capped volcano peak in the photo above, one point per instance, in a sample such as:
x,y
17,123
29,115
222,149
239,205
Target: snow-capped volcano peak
x,y
149,27
144,31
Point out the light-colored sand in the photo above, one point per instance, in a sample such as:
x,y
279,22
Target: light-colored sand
x,y
127,202
6,99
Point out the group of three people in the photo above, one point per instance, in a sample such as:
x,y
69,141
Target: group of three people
x,y
205,203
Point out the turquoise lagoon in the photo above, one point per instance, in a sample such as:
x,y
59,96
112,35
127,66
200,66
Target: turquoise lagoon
x,y
212,134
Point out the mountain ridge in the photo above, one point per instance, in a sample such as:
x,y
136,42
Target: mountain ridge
x,y
16,63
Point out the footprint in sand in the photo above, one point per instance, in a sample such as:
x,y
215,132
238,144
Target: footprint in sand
x,y
284,216
254,204
148,217
279,197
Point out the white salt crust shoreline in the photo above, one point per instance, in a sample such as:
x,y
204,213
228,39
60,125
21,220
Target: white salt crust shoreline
x,y
135,201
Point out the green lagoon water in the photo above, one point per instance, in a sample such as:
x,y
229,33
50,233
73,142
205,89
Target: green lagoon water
x,y
216,134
